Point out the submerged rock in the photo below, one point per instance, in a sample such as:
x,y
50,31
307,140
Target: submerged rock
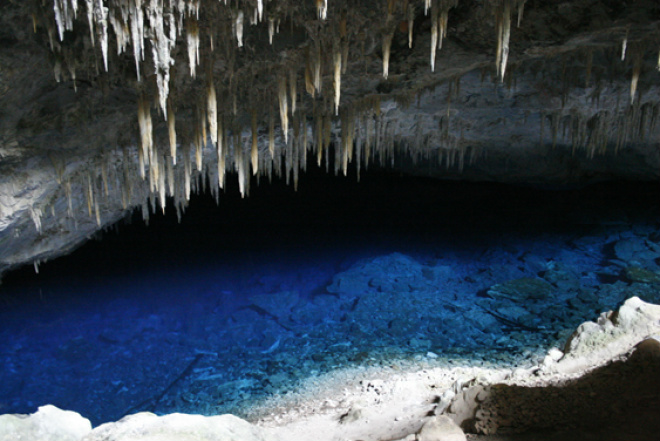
x,y
641,275
278,305
520,290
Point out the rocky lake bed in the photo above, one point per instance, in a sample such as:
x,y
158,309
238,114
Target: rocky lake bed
x,y
503,302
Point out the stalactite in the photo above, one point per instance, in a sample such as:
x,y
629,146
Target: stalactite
x,y
212,112
242,173
171,126
199,148
35,214
192,40
387,45
322,9
101,19
271,135
146,132
637,67
89,4
222,145
271,30
104,175
411,23
284,112
161,48
187,170
318,132
260,9
161,183
504,34
434,38
137,32
238,26
293,91
90,195
171,183
316,68
97,213
624,47
427,6
254,154
521,10
336,58
442,21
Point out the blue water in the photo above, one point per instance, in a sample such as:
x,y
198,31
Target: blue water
x,y
164,318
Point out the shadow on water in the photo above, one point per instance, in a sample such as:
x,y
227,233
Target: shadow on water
x,y
177,316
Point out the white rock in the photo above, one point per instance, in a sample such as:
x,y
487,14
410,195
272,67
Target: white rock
x,y
441,428
555,354
615,334
146,426
47,424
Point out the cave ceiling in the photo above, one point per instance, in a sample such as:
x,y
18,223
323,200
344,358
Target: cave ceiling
x,y
107,105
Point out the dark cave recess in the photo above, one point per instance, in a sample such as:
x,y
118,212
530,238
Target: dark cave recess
x,y
339,212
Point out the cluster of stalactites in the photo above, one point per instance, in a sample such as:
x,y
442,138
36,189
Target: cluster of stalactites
x,y
144,24
158,25
598,131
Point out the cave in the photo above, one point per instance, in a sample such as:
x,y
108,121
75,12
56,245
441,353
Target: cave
x,y
330,219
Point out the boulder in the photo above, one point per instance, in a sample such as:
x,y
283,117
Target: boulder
x,y
47,424
440,428
613,335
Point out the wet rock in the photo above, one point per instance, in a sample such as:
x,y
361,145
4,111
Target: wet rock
x,y
395,272
562,278
420,343
277,304
641,275
47,424
278,380
635,251
440,428
437,274
647,292
512,313
236,385
323,308
520,290
613,294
